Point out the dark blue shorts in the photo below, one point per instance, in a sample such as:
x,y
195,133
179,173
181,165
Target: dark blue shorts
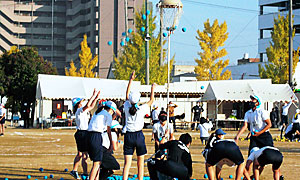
x,y
81,140
134,140
94,144
2,121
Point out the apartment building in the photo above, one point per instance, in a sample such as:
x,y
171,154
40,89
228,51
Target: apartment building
x,y
269,10
56,28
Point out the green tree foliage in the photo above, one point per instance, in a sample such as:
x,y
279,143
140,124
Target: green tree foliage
x,y
278,53
87,62
210,64
21,69
133,55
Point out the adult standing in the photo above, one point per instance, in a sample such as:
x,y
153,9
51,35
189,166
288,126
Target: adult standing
x,y
2,119
259,123
154,114
273,117
197,110
171,109
284,116
134,138
82,121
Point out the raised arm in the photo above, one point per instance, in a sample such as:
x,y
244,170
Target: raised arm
x,y
151,95
132,77
92,101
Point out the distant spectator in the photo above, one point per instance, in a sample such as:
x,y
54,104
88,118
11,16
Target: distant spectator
x,y
197,110
171,109
273,117
154,114
2,119
53,115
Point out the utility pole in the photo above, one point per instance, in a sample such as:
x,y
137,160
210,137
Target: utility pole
x,y
147,39
290,44
52,31
99,21
161,39
126,16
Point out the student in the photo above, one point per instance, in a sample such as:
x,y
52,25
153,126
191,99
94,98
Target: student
x,y
262,157
204,126
179,160
171,108
284,115
259,123
294,127
219,151
82,119
100,123
2,119
197,110
109,162
134,123
154,114
163,131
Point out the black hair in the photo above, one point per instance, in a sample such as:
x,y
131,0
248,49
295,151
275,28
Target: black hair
x,y
186,138
75,107
101,108
132,110
212,137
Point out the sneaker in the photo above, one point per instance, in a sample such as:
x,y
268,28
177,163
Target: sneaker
x,y
1,134
281,177
75,174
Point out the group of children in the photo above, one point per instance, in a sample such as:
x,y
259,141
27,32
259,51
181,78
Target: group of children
x,y
98,138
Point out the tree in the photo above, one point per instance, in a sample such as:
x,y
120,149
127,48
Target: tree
x,y
133,55
210,64
278,53
87,62
21,69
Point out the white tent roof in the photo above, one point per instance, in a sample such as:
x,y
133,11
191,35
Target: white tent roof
x,y
67,87
240,90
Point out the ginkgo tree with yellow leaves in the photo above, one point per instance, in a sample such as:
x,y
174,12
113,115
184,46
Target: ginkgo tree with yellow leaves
x,y
87,62
211,62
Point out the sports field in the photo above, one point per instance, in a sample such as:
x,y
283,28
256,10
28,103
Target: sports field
x,y
24,151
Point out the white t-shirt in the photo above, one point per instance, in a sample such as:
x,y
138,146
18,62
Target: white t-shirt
x,y
254,155
100,121
204,128
82,119
155,114
160,130
136,122
2,111
105,139
256,119
285,108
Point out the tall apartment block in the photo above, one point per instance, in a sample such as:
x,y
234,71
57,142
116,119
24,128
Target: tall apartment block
x,y
269,10
56,28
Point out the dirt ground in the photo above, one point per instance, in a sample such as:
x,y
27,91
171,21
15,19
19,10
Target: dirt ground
x,y
24,151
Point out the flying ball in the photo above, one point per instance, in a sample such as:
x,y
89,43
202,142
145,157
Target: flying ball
x,y
123,34
148,12
183,29
61,178
41,169
66,170
165,34
175,27
45,177
144,17
28,177
168,28
109,43
129,31
122,43
143,29
230,176
5,178
127,39
51,176
202,87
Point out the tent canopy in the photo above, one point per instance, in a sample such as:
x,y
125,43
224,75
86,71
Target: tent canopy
x,y
240,90
68,87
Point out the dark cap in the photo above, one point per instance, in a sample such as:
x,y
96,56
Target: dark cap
x,y
220,132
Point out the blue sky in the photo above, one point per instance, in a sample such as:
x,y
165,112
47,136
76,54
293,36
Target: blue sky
x,y
241,17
